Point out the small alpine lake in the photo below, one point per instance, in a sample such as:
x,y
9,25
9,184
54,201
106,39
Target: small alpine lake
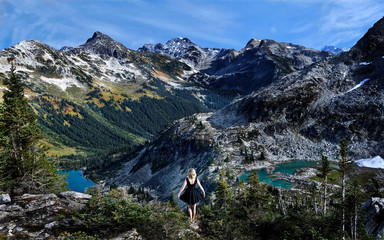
x,y
268,177
76,180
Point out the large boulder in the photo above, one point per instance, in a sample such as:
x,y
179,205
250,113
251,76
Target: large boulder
x,y
5,198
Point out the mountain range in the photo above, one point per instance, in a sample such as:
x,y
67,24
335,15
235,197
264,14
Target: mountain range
x,y
102,97
257,65
302,113
206,108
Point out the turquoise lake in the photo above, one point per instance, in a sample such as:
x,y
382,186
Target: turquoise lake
x,y
285,167
76,181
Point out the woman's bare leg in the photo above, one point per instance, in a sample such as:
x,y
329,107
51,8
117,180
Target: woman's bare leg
x,y
194,212
190,212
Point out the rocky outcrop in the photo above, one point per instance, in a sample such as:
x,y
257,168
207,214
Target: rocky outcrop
x,y
374,222
32,216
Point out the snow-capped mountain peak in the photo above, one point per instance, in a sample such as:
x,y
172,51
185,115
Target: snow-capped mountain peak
x,y
334,50
185,50
180,40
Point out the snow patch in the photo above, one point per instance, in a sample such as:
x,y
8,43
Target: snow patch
x,y
25,45
376,162
62,83
113,69
173,84
364,63
77,61
358,85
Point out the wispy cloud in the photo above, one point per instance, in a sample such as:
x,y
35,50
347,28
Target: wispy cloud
x,y
186,18
344,20
338,22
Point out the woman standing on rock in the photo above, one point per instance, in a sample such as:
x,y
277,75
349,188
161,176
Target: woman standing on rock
x,y
191,196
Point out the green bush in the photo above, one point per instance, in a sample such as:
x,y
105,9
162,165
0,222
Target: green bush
x,y
112,213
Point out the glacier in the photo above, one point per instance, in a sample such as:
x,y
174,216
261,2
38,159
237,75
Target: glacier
x,y
376,162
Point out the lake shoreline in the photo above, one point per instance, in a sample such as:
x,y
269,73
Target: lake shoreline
x,y
77,181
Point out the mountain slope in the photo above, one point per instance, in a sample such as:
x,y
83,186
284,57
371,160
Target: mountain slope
x,y
298,116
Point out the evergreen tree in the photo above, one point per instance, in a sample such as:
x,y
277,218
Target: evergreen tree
x,y
258,199
343,165
223,193
24,165
257,193
324,171
242,191
131,190
172,201
353,203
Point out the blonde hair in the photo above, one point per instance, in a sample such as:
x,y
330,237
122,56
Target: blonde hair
x,y
191,173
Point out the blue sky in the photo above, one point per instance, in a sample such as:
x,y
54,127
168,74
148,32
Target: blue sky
x,y
208,23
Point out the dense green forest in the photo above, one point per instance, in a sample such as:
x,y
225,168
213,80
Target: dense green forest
x,y
106,122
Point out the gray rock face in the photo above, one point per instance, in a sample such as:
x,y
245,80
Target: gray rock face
x,y
75,196
374,223
36,216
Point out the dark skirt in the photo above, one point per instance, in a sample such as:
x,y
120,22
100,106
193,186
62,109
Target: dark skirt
x,y
191,196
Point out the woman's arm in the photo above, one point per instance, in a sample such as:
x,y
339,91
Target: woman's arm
x,y
201,187
182,188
